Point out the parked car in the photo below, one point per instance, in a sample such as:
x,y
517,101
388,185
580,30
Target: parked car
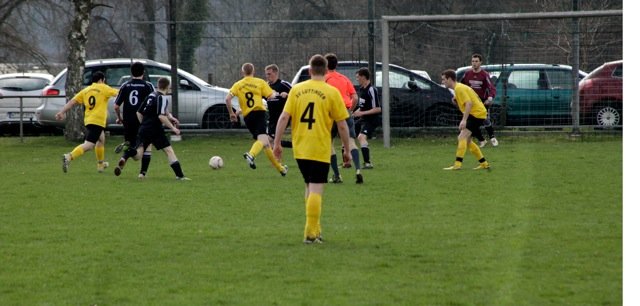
x,y
415,101
201,105
16,85
601,95
530,94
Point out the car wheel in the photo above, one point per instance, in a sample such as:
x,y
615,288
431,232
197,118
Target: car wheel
x,y
443,115
607,115
217,118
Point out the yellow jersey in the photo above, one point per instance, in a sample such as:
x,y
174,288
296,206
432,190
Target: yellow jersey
x,y
95,99
250,91
464,93
314,106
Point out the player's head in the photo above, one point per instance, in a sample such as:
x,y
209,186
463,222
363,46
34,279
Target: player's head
x,y
476,61
449,78
271,71
318,65
97,77
363,76
137,69
332,61
247,69
163,84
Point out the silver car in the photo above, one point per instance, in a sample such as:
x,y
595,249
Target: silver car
x,y
16,86
201,105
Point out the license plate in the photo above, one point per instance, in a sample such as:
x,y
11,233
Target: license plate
x,y
25,116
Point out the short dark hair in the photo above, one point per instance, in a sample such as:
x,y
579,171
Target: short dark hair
x,y
163,83
449,74
137,69
478,56
364,72
97,76
332,61
318,65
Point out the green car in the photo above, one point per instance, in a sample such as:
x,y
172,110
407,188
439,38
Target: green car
x,y
530,94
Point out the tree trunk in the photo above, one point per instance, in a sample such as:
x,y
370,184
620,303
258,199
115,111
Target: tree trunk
x,y
74,129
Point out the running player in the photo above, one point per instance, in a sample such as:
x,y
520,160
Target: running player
x,y
132,93
95,99
313,106
154,114
250,91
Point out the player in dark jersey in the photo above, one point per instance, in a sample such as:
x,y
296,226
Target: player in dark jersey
x,y
132,94
154,115
480,81
276,104
368,113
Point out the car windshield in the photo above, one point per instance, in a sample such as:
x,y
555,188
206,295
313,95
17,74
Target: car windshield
x,y
23,84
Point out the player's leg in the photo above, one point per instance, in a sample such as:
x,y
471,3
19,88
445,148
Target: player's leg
x,y
336,178
99,149
473,126
316,175
463,140
282,169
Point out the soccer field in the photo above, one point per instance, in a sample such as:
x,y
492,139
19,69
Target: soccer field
x,y
544,227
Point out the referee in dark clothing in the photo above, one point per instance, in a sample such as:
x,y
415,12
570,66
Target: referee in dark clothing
x,y
276,105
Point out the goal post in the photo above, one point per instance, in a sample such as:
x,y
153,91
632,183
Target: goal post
x,y
385,20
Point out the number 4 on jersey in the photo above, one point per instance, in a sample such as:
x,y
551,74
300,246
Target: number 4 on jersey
x,y
307,115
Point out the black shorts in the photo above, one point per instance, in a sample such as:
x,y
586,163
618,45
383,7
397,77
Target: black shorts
x,y
154,136
367,127
93,133
275,110
131,131
350,124
474,124
256,122
313,171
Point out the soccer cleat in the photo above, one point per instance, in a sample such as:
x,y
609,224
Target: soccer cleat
x,y
184,178
121,147
142,176
103,165
250,160
454,167
482,143
359,179
66,158
494,142
284,170
118,169
367,166
483,166
336,179
310,240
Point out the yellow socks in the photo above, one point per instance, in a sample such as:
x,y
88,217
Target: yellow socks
x,y
269,153
313,211
256,148
99,153
77,152
475,150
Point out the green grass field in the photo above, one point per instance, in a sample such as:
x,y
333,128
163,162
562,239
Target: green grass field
x,y
544,227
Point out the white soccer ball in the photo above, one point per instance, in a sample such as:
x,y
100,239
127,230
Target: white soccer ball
x,y
216,162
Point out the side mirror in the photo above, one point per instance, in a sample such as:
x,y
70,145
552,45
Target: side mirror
x,y
413,85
